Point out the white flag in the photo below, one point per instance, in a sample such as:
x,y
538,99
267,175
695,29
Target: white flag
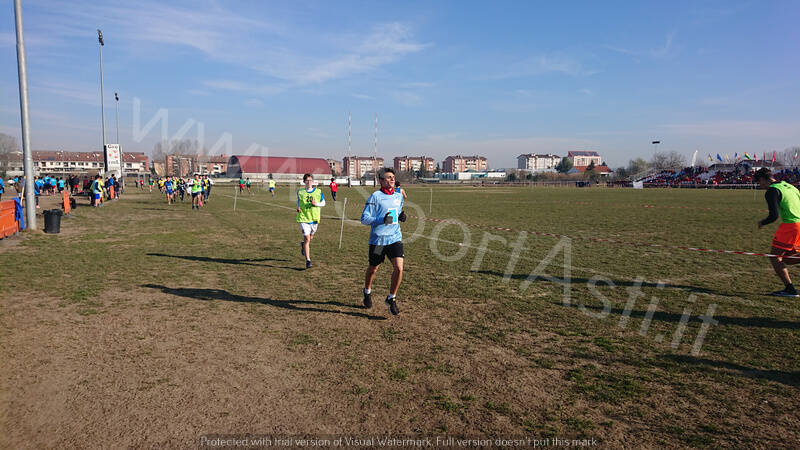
x,y
694,158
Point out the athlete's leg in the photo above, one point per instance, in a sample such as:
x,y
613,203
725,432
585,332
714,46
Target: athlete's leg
x,y
369,276
779,265
397,275
307,245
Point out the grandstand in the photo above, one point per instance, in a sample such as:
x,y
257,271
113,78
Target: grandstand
x,y
717,175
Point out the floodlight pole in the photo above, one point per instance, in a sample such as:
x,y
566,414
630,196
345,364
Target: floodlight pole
x,y
30,199
102,97
655,143
121,159
116,97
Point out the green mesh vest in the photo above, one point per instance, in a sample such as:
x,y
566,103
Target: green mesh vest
x,y
308,212
789,207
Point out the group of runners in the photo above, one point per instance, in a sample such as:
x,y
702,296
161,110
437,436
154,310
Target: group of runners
x,y
199,187
382,212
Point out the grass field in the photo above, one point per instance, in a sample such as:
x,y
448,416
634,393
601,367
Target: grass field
x,y
148,325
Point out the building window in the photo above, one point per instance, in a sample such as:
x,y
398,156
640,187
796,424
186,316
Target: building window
x,y
94,164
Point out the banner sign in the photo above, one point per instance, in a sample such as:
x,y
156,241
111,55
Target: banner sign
x,y
113,159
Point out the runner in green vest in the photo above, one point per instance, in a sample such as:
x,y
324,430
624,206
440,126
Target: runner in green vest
x,y
197,191
309,202
783,201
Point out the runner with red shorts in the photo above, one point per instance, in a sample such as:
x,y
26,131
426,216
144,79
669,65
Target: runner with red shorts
x,y
783,201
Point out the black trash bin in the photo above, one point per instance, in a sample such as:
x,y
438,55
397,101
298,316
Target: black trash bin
x,y
52,221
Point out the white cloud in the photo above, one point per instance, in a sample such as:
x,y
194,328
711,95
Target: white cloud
x,y
665,51
385,44
254,103
407,98
543,64
285,50
76,91
363,96
240,86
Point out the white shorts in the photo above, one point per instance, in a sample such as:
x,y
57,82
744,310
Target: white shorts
x,y
308,228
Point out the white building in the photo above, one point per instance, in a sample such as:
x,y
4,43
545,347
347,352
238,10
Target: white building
x,y
538,163
64,163
584,158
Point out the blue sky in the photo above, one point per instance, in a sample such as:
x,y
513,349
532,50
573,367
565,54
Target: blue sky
x,y
493,78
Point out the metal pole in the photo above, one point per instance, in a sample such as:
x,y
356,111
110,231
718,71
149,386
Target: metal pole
x,y
30,199
102,96
235,196
430,204
116,97
121,159
341,231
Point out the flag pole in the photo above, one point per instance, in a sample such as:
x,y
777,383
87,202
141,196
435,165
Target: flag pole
x,y
341,230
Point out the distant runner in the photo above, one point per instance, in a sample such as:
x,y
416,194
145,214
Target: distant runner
x,y
334,188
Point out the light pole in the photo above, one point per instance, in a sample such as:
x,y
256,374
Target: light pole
x,y
116,97
121,162
655,143
30,209
102,98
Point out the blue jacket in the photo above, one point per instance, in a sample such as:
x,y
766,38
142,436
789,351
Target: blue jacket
x,y
378,204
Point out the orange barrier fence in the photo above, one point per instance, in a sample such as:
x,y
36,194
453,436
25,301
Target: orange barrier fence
x,y
65,198
8,224
111,192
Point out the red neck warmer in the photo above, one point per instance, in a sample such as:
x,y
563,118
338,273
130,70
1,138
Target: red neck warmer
x,y
389,191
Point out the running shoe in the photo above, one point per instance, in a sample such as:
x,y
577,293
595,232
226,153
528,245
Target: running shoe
x,y
367,300
392,304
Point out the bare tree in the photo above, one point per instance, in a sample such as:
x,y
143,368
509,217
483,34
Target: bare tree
x,y
788,156
185,147
8,144
668,161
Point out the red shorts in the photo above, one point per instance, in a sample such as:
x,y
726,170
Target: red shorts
x,y
787,237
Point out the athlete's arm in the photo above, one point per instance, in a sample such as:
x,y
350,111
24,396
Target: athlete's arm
x,y
321,201
773,197
368,215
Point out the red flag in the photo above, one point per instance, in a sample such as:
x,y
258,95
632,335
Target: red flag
x,y
773,157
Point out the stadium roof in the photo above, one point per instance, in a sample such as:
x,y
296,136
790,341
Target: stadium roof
x,y
598,169
278,164
582,153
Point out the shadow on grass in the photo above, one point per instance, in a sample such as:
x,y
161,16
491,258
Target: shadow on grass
x,y
220,294
626,283
708,365
759,322
247,262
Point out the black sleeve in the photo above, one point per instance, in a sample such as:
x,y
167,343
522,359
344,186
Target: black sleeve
x,y
773,197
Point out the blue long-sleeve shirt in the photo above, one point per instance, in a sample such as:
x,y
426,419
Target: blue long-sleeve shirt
x,y
378,204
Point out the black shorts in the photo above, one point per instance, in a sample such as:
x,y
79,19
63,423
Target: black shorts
x,y
378,252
